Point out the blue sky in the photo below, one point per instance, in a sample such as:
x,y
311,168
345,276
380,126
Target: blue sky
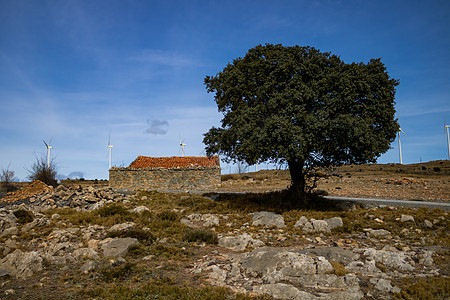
x,y
72,71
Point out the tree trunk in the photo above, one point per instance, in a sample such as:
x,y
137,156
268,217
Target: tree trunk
x,y
297,180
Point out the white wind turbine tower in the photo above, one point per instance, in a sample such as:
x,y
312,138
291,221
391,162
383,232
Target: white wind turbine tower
x,y
181,150
109,149
400,145
49,148
448,140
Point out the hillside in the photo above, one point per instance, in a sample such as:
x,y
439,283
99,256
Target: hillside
x,y
92,242
428,181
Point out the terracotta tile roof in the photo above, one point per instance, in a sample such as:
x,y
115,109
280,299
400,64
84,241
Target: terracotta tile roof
x,y
175,162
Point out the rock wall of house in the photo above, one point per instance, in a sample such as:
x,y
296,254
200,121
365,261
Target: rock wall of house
x,y
181,179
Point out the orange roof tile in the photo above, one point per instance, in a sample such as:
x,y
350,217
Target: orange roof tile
x,y
175,162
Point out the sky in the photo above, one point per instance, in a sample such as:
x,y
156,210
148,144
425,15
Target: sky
x,y
78,73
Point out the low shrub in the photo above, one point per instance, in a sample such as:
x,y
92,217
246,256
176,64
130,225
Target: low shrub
x,y
168,216
117,273
112,210
23,216
143,236
200,235
425,288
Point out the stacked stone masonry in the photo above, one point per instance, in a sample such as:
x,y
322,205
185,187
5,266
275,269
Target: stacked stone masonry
x,y
182,179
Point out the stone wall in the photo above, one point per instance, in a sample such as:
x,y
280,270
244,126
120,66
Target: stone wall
x,y
182,179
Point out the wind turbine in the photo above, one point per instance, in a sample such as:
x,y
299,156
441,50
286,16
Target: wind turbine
x,y
448,140
49,148
181,150
109,148
400,145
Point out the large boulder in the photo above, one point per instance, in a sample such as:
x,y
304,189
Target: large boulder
x,y
117,247
8,223
318,225
21,264
268,219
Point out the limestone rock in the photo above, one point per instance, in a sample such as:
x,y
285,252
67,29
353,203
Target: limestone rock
x,y
22,264
392,259
122,227
8,223
118,247
379,233
302,221
384,285
240,242
334,222
316,226
282,291
88,266
40,220
199,220
88,253
406,218
427,224
268,219
140,209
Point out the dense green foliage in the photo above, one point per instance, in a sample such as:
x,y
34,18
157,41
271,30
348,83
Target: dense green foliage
x,y
299,106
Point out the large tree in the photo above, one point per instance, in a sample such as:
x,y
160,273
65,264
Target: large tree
x,y
303,107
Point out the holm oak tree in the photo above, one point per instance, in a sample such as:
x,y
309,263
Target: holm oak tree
x,y
299,106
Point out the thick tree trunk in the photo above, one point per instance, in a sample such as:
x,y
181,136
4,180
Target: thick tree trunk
x,y
298,180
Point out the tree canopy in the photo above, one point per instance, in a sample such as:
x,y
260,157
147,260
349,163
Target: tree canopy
x,y
303,107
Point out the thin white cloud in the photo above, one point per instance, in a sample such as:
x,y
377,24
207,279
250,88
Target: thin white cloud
x,y
160,57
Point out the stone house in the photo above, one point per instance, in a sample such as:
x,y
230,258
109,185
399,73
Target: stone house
x,y
192,173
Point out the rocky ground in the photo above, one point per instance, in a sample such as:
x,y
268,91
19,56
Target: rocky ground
x,y
93,242
422,182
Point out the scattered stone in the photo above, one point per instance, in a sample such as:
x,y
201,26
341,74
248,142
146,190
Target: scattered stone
x,y
122,227
240,242
140,209
427,224
316,226
268,219
118,247
199,220
406,218
85,253
89,265
334,222
379,233
302,221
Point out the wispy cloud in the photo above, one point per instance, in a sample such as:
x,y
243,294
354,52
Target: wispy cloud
x,y
161,57
156,127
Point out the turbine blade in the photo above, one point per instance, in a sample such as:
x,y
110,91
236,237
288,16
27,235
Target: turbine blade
x,y
45,144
